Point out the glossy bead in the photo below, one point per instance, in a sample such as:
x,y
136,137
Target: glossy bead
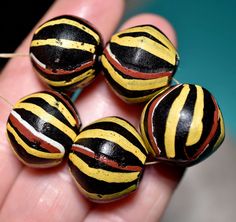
x,y
107,159
183,125
64,52
42,127
138,61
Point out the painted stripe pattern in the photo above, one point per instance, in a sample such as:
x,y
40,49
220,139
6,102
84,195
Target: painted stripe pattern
x,y
139,61
64,52
183,125
107,159
42,127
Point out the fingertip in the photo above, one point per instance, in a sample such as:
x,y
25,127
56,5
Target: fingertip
x,y
102,14
96,12
160,22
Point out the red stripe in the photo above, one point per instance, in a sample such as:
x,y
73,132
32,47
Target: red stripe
x,y
104,159
31,137
62,71
133,73
204,146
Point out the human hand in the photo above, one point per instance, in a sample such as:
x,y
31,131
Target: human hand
x,y
50,194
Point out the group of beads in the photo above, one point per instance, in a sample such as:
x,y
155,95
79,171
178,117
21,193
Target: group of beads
x,y
180,124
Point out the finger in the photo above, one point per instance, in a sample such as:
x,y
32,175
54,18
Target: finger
x,y
147,204
158,183
18,80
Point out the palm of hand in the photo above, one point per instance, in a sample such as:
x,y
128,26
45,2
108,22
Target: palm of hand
x,y
50,194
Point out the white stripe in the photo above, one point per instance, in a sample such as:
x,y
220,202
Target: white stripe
x,y
83,148
37,61
38,134
111,54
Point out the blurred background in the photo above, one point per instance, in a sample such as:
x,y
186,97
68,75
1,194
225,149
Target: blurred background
x,y
206,33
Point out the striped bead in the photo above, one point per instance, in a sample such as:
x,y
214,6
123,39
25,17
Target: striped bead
x,y
107,159
138,62
64,52
183,125
42,127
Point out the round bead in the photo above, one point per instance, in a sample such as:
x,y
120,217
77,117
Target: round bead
x,y
107,159
138,61
183,125
42,127
64,52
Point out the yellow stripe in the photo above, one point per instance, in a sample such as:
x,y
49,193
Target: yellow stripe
x,y
142,98
196,127
42,114
148,45
172,121
88,76
33,151
72,23
113,137
134,84
101,197
38,165
150,30
222,133
103,175
54,103
142,119
64,43
125,125
97,196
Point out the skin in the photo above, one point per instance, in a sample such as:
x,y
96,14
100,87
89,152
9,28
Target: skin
x,y
50,195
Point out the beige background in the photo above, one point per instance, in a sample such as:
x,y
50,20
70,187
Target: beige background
x,y
207,192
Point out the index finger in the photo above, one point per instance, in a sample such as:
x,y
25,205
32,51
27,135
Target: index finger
x,y
18,79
